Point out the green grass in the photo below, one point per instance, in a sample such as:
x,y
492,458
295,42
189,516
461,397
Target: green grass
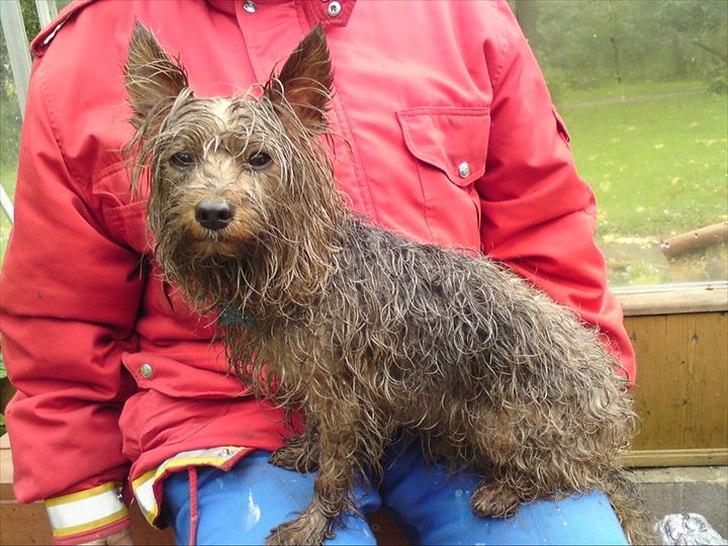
x,y
631,89
656,155
659,165
7,180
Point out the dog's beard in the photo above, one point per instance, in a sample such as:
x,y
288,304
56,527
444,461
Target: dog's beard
x,y
210,269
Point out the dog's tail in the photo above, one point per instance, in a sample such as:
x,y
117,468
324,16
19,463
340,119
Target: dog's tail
x,y
633,515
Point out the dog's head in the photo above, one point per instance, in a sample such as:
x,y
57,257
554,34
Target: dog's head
x,y
233,177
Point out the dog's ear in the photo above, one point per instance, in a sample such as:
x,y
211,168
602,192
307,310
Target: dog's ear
x,y
150,74
305,80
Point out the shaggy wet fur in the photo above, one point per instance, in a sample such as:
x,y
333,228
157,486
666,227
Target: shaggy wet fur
x,y
371,335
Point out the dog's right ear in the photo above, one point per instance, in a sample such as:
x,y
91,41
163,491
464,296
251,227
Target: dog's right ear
x,y
151,75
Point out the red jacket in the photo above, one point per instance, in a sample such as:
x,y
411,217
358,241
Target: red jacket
x,y
452,138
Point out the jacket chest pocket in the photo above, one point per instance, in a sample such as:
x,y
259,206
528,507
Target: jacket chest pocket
x,y
129,224
449,146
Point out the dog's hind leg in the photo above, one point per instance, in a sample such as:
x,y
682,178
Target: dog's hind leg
x,y
504,487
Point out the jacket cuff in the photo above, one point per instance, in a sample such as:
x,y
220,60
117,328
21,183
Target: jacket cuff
x,y
89,514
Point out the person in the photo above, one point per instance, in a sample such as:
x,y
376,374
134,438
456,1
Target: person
x,y
443,131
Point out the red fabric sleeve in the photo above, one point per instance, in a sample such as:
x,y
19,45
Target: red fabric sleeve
x,y
96,534
69,299
538,215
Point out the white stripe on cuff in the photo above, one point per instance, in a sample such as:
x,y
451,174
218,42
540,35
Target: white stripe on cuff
x,y
84,511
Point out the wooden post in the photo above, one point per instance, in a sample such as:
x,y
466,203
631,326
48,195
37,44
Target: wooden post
x,y
11,19
697,239
17,43
46,11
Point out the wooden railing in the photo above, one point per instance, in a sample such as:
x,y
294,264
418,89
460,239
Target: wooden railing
x,y
680,336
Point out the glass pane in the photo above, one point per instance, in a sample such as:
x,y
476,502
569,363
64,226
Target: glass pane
x,y
10,122
642,87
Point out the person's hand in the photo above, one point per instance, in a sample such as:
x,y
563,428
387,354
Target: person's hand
x,y
120,538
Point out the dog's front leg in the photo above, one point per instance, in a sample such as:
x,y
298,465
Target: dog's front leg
x,y
340,444
301,452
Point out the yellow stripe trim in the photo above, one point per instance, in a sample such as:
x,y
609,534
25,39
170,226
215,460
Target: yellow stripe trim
x,y
86,493
144,477
66,531
173,463
194,461
176,463
151,517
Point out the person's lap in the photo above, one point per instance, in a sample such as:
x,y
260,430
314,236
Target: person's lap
x,y
242,506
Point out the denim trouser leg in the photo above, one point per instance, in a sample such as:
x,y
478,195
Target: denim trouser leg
x,y
435,508
242,506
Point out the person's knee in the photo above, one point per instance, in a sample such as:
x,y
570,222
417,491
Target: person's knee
x,y
242,505
578,519
435,506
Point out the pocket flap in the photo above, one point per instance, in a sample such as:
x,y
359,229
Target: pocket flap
x,y
454,140
561,127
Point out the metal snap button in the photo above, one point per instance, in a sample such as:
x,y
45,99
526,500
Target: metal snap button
x,y
333,9
249,6
464,169
146,370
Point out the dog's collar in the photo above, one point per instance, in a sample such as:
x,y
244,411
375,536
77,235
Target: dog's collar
x,y
229,318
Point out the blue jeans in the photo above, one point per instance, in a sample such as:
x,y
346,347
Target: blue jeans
x,y
242,505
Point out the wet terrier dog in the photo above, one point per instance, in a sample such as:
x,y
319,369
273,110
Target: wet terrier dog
x,y
371,335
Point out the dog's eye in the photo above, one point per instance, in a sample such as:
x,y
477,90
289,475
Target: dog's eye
x,y
259,160
182,160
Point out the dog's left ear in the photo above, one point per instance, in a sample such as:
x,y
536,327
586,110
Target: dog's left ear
x,y
305,81
151,75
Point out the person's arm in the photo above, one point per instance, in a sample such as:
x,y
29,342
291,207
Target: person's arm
x,y
538,215
70,295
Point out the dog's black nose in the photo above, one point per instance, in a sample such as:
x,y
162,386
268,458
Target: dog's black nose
x,y
214,214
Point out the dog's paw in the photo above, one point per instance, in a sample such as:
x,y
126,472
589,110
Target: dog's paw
x,y
490,500
294,457
301,531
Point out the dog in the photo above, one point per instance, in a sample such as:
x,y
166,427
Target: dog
x,y
371,335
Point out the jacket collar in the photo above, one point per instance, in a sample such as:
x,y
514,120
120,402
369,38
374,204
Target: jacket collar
x,y
317,11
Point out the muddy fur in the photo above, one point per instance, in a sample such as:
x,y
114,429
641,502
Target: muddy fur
x,y
371,335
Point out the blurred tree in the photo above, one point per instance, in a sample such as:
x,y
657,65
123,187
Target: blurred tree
x,y
613,11
527,15
700,29
593,42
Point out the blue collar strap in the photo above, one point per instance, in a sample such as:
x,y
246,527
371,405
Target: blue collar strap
x,y
228,318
